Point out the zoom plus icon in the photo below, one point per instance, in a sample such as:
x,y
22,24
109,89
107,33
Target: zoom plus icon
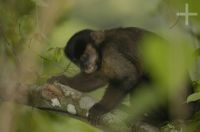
x,y
187,14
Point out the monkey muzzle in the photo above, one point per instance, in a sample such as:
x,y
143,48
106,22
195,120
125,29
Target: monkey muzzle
x,y
88,68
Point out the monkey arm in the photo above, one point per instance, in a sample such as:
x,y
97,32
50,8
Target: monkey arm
x,y
113,96
82,81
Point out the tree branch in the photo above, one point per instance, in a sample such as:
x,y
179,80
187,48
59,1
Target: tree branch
x,y
63,99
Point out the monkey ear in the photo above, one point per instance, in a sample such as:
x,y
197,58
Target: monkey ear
x,y
98,37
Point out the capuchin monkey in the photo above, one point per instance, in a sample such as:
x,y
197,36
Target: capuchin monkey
x,y
109,57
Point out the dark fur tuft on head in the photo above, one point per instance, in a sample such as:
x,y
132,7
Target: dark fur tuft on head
x,y
77,44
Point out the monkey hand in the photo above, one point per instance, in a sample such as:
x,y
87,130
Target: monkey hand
x,y
96,112
61,79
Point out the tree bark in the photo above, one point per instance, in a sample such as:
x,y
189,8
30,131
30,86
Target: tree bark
x,y
63,99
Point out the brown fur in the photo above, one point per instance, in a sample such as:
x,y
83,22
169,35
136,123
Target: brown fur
x,y
120,65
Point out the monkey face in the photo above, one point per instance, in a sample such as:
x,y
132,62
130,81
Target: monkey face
x,y
88,61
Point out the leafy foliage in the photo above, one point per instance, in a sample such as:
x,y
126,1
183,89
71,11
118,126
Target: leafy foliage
x,y
34,32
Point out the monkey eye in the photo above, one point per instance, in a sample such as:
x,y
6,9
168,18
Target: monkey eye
x,y
75,61
84,58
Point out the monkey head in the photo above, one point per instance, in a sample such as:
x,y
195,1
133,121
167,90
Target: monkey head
x,y
83,50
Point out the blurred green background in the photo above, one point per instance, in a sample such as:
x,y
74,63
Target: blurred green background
x,y
34,32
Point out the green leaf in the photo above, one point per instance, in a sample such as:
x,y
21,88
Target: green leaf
x,y
41,3
50,49
197,52
58,54
193,97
